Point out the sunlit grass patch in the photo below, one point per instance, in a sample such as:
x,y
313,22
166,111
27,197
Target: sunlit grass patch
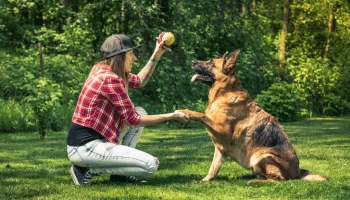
x,y
34,169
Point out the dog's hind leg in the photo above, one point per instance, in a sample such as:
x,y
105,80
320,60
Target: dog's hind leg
x,y
266,169
214,169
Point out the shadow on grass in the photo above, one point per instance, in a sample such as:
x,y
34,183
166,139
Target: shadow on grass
x,y
24,173
320,131
179,179
29,193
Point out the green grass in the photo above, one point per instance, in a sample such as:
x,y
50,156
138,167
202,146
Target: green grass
x,y
35,169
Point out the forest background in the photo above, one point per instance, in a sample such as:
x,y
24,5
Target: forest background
x,y
293,61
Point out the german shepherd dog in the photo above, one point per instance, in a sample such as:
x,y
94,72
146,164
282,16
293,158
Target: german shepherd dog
x,y
241,129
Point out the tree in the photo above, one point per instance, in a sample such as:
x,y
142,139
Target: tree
x,y
284,31
331,29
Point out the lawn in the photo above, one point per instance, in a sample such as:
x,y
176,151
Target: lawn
x,y
34,169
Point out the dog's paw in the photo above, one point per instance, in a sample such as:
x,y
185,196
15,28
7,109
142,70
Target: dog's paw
x,y
208,178
195,116
185,111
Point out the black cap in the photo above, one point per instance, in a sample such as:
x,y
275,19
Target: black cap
x,y
116,44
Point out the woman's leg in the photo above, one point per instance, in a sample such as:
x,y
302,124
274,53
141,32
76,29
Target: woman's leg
x,y
130,162
130,136
103,157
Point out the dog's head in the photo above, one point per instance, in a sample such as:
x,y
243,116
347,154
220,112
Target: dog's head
x,y
215,69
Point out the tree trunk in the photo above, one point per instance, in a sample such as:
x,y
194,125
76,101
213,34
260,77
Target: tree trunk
x,y
282,50
331,29
42,126
245,11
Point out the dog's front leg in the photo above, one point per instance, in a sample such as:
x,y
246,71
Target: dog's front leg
x,y
206,121
214,169
195,116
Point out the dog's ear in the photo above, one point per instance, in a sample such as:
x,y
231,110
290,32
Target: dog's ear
x,y
230,62
225,55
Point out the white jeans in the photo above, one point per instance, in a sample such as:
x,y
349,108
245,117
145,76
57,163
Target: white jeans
x,y
104,157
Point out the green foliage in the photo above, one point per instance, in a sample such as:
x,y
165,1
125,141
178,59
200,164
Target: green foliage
x,y
43,96
248,72
61,116
13,69
334,105
281,100
308,34
69,73
71,33
15,117
317,84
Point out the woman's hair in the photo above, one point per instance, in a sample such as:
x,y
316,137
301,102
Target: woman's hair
x,y
117,63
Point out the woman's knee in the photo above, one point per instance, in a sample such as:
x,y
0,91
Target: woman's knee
x,y
153,165
141,110
75,157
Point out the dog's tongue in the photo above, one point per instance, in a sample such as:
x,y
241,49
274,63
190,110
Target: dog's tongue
x,y
194,77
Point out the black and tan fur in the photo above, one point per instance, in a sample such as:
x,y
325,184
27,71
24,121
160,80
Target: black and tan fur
x,y
241,129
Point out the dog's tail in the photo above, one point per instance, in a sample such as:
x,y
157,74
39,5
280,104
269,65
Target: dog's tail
x,y
308,176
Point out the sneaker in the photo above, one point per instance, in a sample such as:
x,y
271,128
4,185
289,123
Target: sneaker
x,y
80,175
124,179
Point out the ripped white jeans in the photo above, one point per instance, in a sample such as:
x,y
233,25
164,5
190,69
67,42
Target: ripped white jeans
x,y
104,157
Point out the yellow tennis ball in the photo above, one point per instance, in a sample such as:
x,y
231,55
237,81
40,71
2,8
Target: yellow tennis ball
x,y
169,38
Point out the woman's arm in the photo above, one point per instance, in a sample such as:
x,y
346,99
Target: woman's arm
x,y
147,120
147,71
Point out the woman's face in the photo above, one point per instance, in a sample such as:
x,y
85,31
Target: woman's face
x,y
130,58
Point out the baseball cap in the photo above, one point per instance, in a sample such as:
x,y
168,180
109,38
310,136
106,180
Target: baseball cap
x,y
116,44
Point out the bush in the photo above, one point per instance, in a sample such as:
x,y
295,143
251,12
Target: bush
x,y
334,105
61,117
315,78
43,96
40,96
282,101
15,117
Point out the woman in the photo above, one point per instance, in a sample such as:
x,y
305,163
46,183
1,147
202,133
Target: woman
x,y
105,117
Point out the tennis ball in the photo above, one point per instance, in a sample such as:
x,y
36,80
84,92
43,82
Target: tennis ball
x,y
169,38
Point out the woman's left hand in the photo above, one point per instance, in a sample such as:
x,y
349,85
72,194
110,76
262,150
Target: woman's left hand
x,y
180,116
159,45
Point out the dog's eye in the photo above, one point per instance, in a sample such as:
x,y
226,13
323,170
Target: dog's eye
x,y
211,62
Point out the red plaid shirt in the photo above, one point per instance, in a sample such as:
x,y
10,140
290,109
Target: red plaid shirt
x,y
104,104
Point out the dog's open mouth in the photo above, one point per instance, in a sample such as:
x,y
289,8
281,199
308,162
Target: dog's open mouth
x,y
202,78
203,75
